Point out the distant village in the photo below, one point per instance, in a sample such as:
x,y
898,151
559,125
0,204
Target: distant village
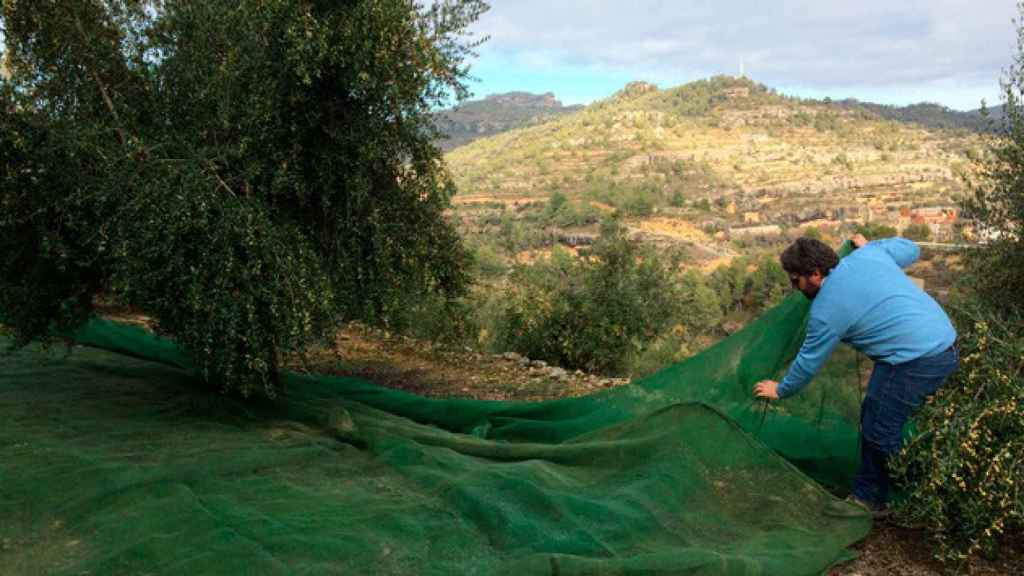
x,y
750,218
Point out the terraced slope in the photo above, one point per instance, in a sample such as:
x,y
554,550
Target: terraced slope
x,y
722,137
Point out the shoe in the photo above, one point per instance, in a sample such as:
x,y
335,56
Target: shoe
x,y
853,507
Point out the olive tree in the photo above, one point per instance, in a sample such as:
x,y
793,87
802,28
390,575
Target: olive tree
x,y
247,172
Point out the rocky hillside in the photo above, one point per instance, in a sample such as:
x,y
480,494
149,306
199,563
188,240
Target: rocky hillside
x,y
498,113
723,142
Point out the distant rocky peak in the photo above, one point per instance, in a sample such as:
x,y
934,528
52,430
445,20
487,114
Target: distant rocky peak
x,y
637,88
525,100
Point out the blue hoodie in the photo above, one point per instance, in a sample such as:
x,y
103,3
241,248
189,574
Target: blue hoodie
x,y
868,302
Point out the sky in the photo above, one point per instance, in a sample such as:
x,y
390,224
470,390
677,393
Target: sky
x,y
952,52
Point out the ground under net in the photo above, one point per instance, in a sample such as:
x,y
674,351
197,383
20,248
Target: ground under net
x,y
116,459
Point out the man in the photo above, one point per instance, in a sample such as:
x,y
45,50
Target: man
x,y
868,302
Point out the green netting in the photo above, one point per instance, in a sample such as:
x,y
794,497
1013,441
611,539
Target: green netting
x,y
117,465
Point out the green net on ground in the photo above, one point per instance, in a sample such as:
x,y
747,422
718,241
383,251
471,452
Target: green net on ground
x,y
116,460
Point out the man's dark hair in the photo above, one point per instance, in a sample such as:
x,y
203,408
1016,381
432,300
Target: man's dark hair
x,y
805,255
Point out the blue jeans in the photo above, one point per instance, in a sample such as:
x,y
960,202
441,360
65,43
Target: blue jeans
x,y
895,392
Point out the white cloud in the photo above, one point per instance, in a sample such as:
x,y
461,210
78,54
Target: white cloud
x,y
821,44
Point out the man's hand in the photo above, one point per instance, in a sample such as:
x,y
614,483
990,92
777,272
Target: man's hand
x,y
859,240
767,389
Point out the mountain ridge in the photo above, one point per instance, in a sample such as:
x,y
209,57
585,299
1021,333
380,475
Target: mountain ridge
x,y
496,113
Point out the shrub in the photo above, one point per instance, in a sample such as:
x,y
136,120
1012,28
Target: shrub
x,y
963,471
449,321
637,201
875,231
749,292
595,313
918,232
487,261
562,212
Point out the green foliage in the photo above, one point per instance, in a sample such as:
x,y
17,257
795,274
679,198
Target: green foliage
x,y
925,114
515,235
624,309
556,202
875,231
699,306
918,232
695,329
749,285
487,261
962,471
812,232
842,160
596,313
825,121
802,118
700,97
639,199
996,201
562,212
248,173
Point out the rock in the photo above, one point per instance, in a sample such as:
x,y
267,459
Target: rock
x,y
512,356
538,364
556,372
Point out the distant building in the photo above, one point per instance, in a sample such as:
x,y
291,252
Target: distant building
x,y
940,220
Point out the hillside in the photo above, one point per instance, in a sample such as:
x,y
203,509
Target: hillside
x,y
475,119
931,115
718,155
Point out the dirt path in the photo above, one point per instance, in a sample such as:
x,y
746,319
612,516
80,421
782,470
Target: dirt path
x,y
428,370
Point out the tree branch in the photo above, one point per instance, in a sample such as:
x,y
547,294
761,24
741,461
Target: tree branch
x,y
103,89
